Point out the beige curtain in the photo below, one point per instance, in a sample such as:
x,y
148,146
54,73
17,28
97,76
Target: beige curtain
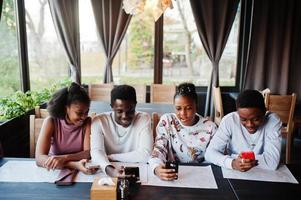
x,y
112,23
214,19
273,59
66,22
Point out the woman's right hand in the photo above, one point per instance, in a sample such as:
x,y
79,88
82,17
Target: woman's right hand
x,y
166,174
81,166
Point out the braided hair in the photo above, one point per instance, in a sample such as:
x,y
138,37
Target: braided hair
x,y
186,90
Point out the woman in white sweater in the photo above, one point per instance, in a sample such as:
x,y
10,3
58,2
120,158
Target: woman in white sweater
x,y
123,134
182,136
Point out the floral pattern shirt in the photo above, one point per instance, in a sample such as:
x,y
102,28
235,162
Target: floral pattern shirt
x,y
177,142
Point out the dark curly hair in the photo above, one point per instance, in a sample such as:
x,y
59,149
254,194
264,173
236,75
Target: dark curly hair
x,y
123,92
65,97
186,90
251,99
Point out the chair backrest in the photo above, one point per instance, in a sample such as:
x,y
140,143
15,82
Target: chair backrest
x,y
140,93
35,128
162,93
282,105
218,105
40,112
100,92
155,121
265,92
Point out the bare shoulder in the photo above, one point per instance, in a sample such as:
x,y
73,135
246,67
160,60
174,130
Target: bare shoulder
x,y
48,122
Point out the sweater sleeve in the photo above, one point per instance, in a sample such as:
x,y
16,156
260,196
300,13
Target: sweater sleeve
x,y
145,145
160,151
98,152
270,157
217,146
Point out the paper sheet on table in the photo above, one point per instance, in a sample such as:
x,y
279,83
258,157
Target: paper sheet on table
x,y
28,171
282,174
188,177
142,169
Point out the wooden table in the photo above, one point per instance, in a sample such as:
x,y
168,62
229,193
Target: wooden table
x,y
228,189
81,191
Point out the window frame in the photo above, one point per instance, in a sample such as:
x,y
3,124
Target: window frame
x,y
158,54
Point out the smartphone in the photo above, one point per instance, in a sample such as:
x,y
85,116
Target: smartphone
x,y
172,165
133,173
248,155
90,165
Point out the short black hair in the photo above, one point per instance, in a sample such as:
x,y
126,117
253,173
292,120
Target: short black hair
x,y
66,96
123,92
187,90
251,99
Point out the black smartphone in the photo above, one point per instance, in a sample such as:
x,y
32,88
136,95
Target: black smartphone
x,y
132,173
172,165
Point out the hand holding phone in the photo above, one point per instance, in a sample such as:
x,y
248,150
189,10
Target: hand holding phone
x,y
172,165
248,155
90,165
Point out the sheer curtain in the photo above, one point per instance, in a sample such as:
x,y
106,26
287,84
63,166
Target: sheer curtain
x,y
274,45
214,19
112,23
65,16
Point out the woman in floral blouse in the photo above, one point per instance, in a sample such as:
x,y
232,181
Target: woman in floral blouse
x,y
182,136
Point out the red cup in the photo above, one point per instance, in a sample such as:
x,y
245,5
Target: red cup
x,y
248,155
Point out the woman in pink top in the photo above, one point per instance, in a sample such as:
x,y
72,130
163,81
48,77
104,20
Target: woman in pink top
x,y
64,140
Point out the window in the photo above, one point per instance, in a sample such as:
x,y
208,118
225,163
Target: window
x,y
92,56
46,57
184,57
134,61
228,61
9,61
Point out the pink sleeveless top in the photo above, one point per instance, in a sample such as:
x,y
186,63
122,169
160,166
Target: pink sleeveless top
x,y
67,138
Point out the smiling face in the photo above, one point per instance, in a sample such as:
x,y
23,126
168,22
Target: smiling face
x,y
124,111
185,110
251,118
77,113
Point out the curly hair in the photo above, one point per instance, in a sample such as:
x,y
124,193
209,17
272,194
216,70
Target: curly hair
x,y
123,92
186,90
65,97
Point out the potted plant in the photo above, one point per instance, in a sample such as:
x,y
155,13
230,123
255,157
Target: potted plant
x,y
14,114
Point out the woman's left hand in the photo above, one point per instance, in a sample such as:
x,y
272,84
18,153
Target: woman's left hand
x,y
55,162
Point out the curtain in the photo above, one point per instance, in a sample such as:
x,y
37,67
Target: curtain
x,y
274,46
1,2
112,23
65,16
214,19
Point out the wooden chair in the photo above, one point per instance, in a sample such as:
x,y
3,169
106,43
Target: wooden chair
x,y
284,107
162,93
140,93
34,131
100,92
155,121
41,112
218,105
